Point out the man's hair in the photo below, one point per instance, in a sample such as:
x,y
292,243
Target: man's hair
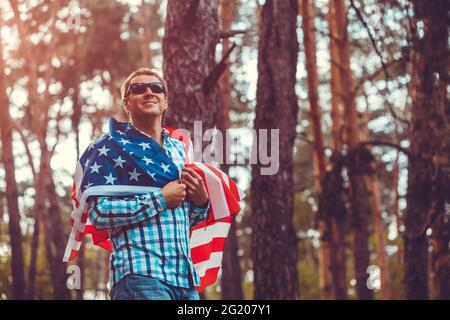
x,y
141,71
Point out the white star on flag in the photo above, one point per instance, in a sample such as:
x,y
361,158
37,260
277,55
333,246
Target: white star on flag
x,y
91,145
124,141
120,132
152,175
95,167
165,167
147,161
119,161
134,175
104,151
88,185
145,146
110,179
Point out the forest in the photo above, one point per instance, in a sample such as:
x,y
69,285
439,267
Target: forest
x,y
355,96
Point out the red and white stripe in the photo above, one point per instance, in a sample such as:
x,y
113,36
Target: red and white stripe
x,y
207,239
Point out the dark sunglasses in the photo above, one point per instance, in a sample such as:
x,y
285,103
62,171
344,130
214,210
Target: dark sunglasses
x,y
140,88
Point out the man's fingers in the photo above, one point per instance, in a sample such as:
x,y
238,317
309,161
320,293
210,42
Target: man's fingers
x,y
193,173
190,186
188,177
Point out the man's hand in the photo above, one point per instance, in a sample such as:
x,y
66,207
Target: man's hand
x,y
174,193
196,189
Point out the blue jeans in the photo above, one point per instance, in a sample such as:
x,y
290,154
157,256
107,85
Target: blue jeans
x,y
141,287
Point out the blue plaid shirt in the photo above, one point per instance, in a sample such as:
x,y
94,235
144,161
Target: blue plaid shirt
x,y
147,237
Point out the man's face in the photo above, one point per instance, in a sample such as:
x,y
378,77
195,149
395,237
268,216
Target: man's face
x,y
147,103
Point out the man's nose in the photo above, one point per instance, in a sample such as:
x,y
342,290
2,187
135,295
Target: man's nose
x,y
148,92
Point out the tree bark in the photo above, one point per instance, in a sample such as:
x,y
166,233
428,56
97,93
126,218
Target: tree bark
x,y
309,38
337,111
231,281
33,257
273,238
191,35
360,212
54,234
373,188
15,234
146,35
337,222
441,257
429,145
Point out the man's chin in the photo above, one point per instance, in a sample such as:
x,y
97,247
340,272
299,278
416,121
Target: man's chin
x,y
148,113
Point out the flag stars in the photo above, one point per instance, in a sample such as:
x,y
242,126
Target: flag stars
x,y
104,151
88,185
134,175
91,145
120,132
145,145
152,175
109,179
119,162
147,161
124,141
165,167
95,167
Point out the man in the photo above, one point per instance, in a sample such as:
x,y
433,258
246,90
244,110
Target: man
x,y
151,255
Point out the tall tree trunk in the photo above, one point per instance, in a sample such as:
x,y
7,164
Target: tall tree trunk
x,y
441,257
54,232
337,221
359,194
231,281
273,238
380,237
15,234
191,35
373,188
309,38
429,144
146,36
337,107
33,257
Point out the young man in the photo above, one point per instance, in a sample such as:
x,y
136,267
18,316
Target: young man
x,y
150,232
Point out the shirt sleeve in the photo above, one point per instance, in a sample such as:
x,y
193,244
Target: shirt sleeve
x,y
197,214
111,212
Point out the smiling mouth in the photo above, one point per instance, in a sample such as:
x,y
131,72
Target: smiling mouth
x,y
150,101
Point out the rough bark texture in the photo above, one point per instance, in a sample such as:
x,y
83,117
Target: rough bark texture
x,y
335,82
332,205
191,35
53,228
15,235
338,220
374,190
360,212
231,281
273,238
428,174
324,251
441,257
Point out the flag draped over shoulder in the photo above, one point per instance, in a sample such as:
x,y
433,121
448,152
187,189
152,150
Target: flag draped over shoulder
x,y
124,171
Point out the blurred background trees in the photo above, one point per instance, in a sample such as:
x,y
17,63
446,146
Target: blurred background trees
x,y
360,206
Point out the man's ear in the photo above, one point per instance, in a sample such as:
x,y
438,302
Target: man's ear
x,y
125,104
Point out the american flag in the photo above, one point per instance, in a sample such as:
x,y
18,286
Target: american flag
x,y
124,171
